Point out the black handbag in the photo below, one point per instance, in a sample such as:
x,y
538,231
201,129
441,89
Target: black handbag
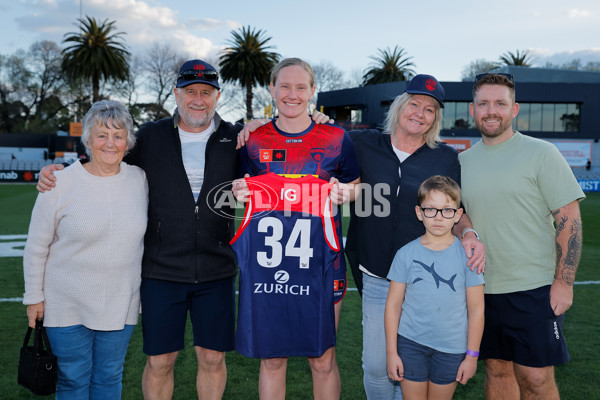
x,y
38,366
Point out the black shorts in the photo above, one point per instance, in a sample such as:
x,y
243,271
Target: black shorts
x,y
165,308
521,327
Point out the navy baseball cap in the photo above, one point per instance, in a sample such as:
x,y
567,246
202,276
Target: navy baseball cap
x,y
427,85
197,71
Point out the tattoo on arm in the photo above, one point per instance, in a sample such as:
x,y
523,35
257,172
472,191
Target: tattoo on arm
x,y
561,225
573,253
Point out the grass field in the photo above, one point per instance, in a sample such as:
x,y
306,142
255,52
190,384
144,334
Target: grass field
x,y
577,379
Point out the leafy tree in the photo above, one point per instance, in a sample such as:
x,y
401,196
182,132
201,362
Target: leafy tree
x,y
33,90
389,66
248,61
95,53
576,65
479,66
518,59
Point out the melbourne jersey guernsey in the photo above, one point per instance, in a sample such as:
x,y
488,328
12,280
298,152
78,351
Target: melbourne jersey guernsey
x,y
286,247
322,150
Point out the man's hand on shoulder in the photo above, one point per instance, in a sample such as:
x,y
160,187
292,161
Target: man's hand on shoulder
x,y
248,128
46,179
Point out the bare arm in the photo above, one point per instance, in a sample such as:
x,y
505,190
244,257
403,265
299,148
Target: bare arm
x,y
474,249
393,310
568,252
475,312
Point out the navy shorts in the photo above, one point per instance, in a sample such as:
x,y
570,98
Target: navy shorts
x,y
165,307
521,327
422,363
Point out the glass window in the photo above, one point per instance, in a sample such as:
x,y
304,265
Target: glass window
x,y
535,117
547,117
523,117
449,115
570,120
462,116
356,116
559,111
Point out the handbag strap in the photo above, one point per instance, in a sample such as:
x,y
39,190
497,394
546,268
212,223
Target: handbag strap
x,y
27,336
40,338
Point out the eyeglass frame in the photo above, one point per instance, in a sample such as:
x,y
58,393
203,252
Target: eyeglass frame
x,y
199,74
438,210
510,77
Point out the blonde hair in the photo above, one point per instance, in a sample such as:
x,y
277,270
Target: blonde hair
x,y
289,62
432,136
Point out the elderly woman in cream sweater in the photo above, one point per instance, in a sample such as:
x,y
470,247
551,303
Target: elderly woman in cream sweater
x,y
83,256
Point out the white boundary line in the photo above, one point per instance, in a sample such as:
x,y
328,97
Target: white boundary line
x,y
352,289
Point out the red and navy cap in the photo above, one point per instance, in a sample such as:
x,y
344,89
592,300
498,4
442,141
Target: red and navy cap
x,y
197,71
427,85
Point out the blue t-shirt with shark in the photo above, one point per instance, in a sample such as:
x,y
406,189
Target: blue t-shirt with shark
x,y
434,312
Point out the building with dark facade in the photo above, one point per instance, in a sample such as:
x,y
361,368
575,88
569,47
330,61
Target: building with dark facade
x,y
553,104
558,105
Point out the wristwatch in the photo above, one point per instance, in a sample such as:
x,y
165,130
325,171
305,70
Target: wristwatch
x,y
469,230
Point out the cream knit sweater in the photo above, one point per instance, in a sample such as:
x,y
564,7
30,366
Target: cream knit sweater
x,y
84,248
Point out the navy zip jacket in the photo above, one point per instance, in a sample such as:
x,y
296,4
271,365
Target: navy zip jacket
x,y
186,241
386,218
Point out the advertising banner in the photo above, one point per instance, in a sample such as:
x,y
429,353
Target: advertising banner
x,y
577,153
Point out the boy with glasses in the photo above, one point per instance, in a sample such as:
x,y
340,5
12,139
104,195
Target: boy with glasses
x,y
435,307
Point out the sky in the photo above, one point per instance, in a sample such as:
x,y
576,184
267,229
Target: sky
x,y
442,37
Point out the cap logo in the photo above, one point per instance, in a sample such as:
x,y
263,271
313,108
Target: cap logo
x,y
199,67
430,84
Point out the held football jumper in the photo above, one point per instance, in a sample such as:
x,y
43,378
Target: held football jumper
x,y
285,246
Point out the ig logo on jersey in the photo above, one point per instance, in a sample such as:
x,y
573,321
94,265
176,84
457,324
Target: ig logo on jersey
x,y
281,276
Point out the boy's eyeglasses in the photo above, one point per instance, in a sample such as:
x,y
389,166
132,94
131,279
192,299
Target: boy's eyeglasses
x,y
478,77
431,212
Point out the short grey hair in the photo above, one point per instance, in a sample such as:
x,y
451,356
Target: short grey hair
x,y
101,113
432,136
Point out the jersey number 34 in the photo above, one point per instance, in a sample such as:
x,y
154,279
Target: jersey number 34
x,y
300,233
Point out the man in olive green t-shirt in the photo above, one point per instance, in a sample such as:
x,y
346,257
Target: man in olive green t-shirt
x,y
515,188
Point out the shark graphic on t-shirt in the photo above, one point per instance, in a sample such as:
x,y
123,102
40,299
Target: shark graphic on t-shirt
x,y
436,277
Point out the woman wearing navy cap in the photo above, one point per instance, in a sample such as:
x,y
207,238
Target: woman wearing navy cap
x,y
409,151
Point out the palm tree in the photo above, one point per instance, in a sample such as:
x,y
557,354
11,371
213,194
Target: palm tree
x,y
248,61
389,66
96,53
519,58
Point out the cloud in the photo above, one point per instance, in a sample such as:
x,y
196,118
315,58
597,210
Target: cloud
x,y
143,22
576,13
207,24
558,58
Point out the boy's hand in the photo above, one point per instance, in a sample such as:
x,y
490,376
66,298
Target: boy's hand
x,y
467,369
395,367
